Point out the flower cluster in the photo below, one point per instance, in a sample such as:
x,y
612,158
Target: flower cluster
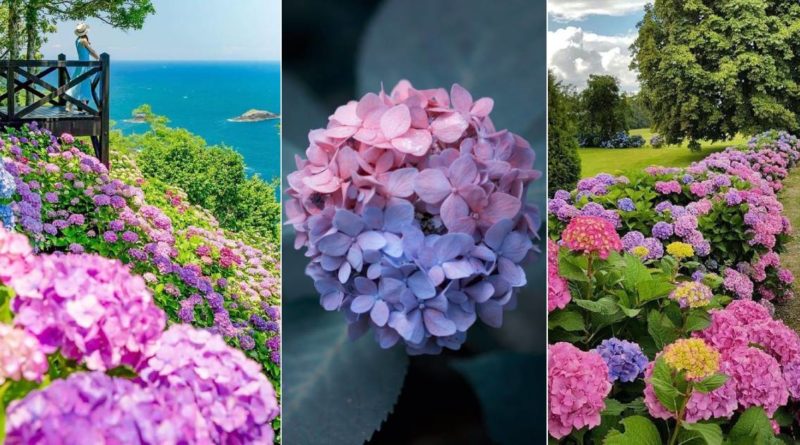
x,y
411,206
8,188
67,200
558,294
228,390
89,308
21,355
577,385
591,235
692,294
692,356
625,360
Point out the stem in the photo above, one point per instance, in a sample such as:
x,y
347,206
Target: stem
x,y
590,274
679,418
3,389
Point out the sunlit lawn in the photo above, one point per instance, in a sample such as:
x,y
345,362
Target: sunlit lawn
x,y
617,161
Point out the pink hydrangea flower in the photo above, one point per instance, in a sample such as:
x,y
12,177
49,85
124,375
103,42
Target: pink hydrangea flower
x,y
558,294
90,308
758,379
21,355
591,235
15,255
577,386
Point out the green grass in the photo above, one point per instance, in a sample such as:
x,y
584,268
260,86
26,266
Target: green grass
x,y
621,161
789,311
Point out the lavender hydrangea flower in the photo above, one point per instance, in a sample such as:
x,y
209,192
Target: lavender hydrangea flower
x,y
662,230
95,408
625,360
228,389
626,205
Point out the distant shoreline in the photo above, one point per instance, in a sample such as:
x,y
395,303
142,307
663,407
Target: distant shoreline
x,y
254,115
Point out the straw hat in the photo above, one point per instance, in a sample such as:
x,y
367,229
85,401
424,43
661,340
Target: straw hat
x,y
81,29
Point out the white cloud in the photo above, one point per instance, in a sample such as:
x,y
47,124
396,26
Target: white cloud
x,y
573,55
578,9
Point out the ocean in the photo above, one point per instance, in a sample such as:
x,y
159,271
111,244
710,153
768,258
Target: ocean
x,y
201,97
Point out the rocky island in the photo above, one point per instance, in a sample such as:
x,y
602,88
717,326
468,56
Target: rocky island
x,y
255,116
138,118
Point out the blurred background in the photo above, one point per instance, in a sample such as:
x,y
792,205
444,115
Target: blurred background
x,y
341,392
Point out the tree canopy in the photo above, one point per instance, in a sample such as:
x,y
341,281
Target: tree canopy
x,y
563,162
603,110
710,69
29,21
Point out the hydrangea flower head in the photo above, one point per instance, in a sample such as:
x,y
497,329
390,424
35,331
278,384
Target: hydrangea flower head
x,y
21,355
591,235
694,356
558,294
91,407
680,250
577,386
90,308
409,205
692,294
625,359
228,389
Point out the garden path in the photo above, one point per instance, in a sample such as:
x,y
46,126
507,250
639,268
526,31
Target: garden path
x,y
789,311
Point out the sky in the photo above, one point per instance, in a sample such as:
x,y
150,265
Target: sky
x,y
186,30
592,37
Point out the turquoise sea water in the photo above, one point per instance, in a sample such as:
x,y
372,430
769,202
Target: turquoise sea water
x,y
201,96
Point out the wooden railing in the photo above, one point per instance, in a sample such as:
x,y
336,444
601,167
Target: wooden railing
x,y
47,84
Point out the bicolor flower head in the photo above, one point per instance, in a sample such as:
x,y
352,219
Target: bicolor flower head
x,y
591,235
692,294
21,355
410,206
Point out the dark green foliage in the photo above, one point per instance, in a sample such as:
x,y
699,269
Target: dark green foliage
x,y
564,164
637,115
212,176
710,69
603,111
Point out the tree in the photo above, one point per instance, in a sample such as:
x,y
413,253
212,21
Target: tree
x,y
564,164
637,115
603,109
37,18
710,69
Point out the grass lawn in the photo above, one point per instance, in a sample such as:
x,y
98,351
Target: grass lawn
x,y
789,311
619,161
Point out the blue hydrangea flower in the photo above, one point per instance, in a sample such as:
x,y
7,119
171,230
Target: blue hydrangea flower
x,y
626,205
625,360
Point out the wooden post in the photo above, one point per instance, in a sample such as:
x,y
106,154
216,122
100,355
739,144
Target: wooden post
x,y
62,77
105,110
11,88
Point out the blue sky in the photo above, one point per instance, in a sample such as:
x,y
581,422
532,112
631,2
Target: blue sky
x,y
187,30
592,37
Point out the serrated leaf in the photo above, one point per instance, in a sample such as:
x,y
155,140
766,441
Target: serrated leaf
x,y
697,320
711,432
334,390
605,305
711,383
660,328
639,430
653,290
568,320
613,408
570,269
508,400
752,427
635,272
666,393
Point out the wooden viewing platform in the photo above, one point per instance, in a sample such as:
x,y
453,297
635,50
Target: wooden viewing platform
x,y
49,100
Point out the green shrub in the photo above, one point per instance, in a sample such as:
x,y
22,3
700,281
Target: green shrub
x,y
213,176
564,164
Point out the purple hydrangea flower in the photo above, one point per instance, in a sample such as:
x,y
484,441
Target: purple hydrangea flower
x,y
626,205
625,360
662,230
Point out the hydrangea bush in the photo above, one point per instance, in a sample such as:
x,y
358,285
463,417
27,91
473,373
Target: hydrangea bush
x,y
66,200
86,359
411,207
670,276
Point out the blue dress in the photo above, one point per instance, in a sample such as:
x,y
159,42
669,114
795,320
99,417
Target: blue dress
x,y
82,91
